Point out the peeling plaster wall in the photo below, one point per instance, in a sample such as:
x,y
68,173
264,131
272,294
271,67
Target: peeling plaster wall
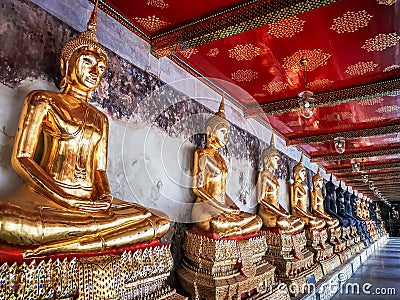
x,y
156,123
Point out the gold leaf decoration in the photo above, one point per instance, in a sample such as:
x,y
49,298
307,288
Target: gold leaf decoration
x,y
381,42
152,23
244,52
391,68
315,58
319,84
158,3
388,109
275,87
295,123
374,119
189,52
213,52
244,75
370,101
351,21
286,27
338,116
260,95
361,68
387,2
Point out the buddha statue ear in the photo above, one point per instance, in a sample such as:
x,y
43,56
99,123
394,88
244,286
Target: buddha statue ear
x,y
63,70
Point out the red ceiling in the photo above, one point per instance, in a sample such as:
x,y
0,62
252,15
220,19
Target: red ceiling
x,y
348,44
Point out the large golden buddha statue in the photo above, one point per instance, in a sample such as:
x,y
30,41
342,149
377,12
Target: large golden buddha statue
x,y
299,199
317,202
66,204
271,212
213,210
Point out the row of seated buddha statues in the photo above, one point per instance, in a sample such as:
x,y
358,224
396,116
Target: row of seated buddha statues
x,y
63,235
224,252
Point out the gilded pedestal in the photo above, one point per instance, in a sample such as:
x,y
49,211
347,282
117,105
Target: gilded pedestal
x,y
132,274
234,268
293,261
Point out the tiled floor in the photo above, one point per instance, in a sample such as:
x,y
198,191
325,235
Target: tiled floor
x,y
379,275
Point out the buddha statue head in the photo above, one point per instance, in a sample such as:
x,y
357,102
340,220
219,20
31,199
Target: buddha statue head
x,y
299,171
217,128
340,191
353,198
318,181
330,187
270,156
83,61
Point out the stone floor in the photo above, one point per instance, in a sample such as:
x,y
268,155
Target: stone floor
x,y
377,278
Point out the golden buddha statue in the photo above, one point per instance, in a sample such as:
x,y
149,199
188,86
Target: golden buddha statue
x,y
317,202
270,211
66,204
299,199
213,210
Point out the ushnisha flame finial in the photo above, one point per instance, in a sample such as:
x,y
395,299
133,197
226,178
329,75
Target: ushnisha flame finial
x,y
219,118
270,150
299,166
92,24
317,176
221,110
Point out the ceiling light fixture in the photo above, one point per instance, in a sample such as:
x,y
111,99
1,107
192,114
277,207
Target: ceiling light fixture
x,y
365,178
355,166
307,101
340,144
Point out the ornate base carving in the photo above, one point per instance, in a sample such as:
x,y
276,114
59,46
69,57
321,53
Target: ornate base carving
x,y
334,238
134,274
317,245
215,268
293,261
329,264
345,255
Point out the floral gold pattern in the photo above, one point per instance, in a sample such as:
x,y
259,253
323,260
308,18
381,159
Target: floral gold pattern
x,y
213,52
381,42
152,23
338,116
315,58
295,123
189,52
361,68
275,87
374,119
244,52
351,21
286,28
388,109
158,3
391,68
387,2
244,75
370,101
319,84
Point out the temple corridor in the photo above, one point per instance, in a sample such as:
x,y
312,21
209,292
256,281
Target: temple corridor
x,y
379,274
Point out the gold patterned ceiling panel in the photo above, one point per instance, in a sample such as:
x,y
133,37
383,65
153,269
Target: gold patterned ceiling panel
x,y
338,116
381,42
351,21
319,84
370,101
158,3
152,23
244,75
315,58
189,52
244,52
361,68
391,68
213,52
275,87
387,2
374,119
287,27
388,109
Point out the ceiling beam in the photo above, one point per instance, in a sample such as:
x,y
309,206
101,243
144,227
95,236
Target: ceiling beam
x,y
390,87
373,179
358,174
369,167
344,156
347,135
